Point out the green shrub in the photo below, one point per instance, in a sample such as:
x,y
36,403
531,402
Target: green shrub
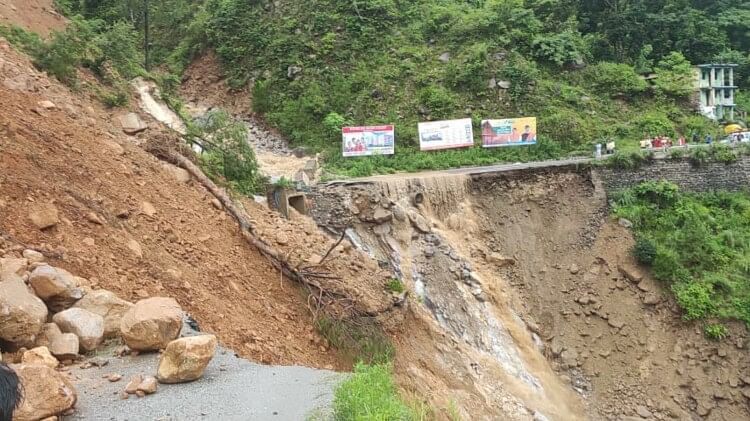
x,y
113,99
395,285
678,153
616,79
370,394
230,155
701,242
626,160
700,156
715,331
695,298
644,251
723,154
439,101
359,340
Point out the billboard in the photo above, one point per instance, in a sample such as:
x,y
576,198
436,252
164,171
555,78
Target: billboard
x,y
368,140
509,132
445,134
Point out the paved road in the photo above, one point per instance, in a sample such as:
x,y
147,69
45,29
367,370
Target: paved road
x,y
232,389
467,170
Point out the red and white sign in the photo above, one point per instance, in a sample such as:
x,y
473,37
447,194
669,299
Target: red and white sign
x,y
368,140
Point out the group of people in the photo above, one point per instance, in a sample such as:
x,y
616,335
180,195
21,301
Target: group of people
x,y
355,145
662,142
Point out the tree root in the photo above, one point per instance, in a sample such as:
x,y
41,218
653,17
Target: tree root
x,y
320,296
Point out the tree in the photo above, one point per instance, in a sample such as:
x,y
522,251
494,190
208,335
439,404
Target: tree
x,y
674,76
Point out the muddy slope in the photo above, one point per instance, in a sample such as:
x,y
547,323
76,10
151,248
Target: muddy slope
x,y
128,224
518,309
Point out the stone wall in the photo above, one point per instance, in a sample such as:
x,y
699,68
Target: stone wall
x,y
707,177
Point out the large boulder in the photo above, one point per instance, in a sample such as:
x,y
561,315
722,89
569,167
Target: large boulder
x,y
64,346
151,324
22,314
185,359
39,355
89,327
46,393
57,287
109,306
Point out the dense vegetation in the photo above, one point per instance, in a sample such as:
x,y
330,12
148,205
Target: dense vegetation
x,y
576,65
697,244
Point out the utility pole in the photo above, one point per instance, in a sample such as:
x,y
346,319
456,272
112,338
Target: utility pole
x,y
146,64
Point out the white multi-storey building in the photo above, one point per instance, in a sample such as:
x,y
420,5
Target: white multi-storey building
x,y
716,90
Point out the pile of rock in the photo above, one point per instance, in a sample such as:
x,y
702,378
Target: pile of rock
x,y
59,316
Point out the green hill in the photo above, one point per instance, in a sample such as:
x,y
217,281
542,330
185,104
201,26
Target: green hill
x,y
316,65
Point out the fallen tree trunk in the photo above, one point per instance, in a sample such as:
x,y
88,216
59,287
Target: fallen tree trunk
x,y
322,297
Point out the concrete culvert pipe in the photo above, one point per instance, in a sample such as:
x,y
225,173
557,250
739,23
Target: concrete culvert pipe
x,y
417,199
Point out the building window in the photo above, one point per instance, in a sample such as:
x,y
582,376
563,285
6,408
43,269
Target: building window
x,y
727,93
704,74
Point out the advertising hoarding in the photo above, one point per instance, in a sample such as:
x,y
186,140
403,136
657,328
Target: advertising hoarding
x,y
509,132
445,134
368,140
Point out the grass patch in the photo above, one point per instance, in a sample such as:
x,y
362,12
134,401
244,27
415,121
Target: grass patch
x,y
698,244
370,394
715,331
395,285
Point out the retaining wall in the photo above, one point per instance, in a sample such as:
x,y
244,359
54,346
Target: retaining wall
x,y
706,177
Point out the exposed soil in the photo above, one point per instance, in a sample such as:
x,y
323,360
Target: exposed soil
x,y
73,156
622,344
38,16
204,89
519,310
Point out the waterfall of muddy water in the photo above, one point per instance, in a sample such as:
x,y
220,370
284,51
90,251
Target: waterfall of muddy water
x,y
466,297
157,109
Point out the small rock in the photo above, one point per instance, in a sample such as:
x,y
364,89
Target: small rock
x,y
114,377
148,385
215,202
631,273
47,105
179,174
44,215
574,269
12,267
45,392
615,322
132,124
445,57
133,384
293,72
89,327
282,239
39,355
148,209
185,359
151,324
419,222
135,248
381,216
625,223
651,299
33,256
64,346
643,412
94,218
504,84
500,260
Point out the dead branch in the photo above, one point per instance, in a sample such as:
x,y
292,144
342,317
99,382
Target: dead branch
x,y
321,295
